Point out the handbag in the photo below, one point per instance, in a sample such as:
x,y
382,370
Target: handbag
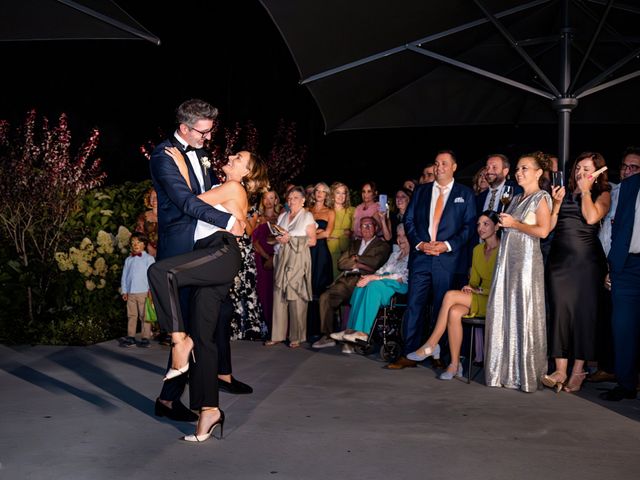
x,y
150,311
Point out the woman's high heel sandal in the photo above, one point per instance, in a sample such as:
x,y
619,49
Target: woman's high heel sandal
x,y
176,372
573,387
551,382
205,436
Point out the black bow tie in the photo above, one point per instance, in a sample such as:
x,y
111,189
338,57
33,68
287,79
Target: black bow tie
x,y
189,148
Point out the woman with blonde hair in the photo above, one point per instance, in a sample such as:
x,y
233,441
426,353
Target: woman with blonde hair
x,y
338,241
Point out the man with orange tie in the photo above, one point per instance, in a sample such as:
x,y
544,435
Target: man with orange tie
x,y
439,223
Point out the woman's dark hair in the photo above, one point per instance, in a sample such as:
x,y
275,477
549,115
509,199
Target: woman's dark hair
x,y
406,191
373,186
493,216
601,183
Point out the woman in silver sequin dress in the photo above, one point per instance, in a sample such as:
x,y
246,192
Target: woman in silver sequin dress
x,y
515,338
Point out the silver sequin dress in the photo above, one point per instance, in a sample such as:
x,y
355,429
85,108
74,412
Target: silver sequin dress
x,y
515,337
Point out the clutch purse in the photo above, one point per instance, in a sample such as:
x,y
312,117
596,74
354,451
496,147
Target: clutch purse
x,y
276,229
530,218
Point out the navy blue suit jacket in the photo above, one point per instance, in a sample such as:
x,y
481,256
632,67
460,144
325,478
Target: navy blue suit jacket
x,y
480,199
457,224
622,227
179,208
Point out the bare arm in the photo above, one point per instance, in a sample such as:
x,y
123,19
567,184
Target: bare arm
x,y
311,234
326,233
592,211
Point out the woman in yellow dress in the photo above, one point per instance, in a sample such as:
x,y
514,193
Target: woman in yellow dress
x,y
470,302
338,242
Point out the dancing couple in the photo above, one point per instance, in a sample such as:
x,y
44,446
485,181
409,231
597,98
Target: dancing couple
x,y
198,258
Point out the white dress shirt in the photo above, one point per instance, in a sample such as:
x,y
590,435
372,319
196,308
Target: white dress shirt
x,y
203,229
498,195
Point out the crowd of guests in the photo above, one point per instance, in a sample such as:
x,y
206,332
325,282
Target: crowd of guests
x,y
530,255
554,268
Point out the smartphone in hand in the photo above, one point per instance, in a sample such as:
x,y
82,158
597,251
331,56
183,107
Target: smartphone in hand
x,y
382,201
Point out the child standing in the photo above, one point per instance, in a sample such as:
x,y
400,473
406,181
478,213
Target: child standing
x,y
135,289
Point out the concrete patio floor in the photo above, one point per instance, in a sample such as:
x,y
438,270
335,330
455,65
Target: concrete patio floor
x,y
87,413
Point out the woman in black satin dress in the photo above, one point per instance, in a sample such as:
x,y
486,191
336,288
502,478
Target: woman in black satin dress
x,y
576,269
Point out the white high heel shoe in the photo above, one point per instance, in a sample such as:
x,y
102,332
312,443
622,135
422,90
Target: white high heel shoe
x,y
176,372
205,436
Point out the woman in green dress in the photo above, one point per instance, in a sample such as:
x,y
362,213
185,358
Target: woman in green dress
x,y
338,241
471,301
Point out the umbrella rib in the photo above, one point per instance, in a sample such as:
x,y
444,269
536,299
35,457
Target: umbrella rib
x,y
421,41
620,6
505,33
144,34
592,43
611,83
612,31
484,73
619,64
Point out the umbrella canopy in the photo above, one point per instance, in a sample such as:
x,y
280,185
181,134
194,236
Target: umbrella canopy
x,y
378,64
28,20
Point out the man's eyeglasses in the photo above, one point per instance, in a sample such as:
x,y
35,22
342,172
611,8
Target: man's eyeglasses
x,y
203,133
366,225
629,166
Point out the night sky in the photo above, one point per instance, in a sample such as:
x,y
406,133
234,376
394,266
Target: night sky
x,y
231,54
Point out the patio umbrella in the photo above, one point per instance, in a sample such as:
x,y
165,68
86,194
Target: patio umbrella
x,y
378,64
33,20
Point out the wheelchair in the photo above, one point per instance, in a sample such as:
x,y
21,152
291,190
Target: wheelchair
x,y
385,332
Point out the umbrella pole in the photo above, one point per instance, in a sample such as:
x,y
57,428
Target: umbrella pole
x,y
565,103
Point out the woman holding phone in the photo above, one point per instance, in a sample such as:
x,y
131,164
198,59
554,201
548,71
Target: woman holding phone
x,y
576,269
389,220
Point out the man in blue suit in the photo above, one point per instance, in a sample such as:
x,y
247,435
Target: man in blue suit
x,y
183,218
624,272
439,223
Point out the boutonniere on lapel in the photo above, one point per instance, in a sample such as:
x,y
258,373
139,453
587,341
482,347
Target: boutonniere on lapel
x,y
206,164
459,200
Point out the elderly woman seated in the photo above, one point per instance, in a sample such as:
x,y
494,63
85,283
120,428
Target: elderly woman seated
x,y
375,291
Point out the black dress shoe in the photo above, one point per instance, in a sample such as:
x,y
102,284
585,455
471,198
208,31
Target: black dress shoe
x,y
235,387
618,393
178,412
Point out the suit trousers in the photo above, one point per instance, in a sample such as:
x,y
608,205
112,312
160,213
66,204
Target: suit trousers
x,y
210,268
427,282
625,295
337,294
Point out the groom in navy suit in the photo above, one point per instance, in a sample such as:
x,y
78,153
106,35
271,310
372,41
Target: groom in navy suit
x,y
624,272
439,223
183,218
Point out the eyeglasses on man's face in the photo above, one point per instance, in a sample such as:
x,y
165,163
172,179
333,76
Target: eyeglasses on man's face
x,y
204,133
366,225
629,166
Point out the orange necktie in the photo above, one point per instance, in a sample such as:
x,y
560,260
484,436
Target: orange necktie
x,y
437,213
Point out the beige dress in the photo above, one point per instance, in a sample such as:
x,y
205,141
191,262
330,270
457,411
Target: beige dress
x,y
292,279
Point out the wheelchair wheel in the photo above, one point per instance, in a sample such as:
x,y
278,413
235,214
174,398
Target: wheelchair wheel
x,y
390,352
363,349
